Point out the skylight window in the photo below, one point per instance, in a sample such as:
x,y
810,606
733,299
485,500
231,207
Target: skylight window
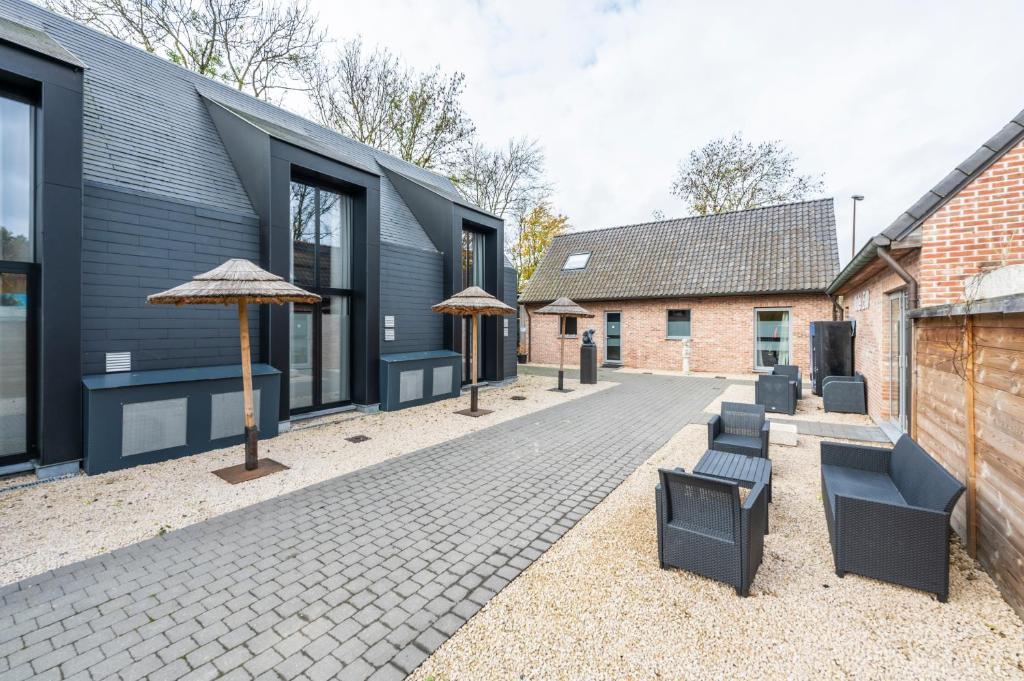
x,y
576,261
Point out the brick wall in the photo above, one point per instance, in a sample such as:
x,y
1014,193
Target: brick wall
x,y
980,229
872,344
722,330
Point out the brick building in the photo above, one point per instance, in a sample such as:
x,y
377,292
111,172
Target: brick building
x,y
742,287
939,302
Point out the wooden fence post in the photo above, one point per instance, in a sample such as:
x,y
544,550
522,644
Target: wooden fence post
x,y
972,462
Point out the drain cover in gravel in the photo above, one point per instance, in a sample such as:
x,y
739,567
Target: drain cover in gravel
x,y
357,438
519,397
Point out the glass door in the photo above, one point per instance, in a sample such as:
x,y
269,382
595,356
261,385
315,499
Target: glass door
x,y
321,348
613,337
473,261
771,338
15,360
897,358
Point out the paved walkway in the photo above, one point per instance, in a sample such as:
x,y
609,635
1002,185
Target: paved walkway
x,y
846,431
362,575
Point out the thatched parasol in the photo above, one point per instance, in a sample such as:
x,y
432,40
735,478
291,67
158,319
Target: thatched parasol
x,y
563,307
241,283
473,302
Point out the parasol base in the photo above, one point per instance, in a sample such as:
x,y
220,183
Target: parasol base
x,y
237,474
475,413
559,390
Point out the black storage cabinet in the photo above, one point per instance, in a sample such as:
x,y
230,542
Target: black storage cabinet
x,y
831,351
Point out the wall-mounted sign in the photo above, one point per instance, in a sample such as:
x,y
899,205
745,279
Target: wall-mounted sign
x,y
861,301
389,334
389,321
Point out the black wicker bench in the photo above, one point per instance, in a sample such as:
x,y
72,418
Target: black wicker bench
x,y
888,513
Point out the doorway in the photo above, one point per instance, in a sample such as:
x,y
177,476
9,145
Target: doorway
x,y
16,360
473,263
771,338
897,398
613,337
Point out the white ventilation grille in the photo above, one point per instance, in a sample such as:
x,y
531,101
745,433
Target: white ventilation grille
x,y
119,361
227,413
410,385
152,426
442,380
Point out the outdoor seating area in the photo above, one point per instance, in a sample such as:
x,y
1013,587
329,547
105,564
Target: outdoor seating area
x,y
740,428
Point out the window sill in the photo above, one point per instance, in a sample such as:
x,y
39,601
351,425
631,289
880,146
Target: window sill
x,y
570,337
678,338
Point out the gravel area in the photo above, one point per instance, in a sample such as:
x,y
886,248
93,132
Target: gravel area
x,y
597,606
53,524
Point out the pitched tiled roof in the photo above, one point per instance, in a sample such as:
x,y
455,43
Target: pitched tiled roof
x,y
786,248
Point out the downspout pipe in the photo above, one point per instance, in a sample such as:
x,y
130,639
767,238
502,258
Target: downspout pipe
x,y
837,309
883,252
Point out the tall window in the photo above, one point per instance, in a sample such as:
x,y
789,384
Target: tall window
x,y
16,180
320,372
771,338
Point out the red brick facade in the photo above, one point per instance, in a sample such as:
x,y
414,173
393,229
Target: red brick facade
x,y
722,331
978,230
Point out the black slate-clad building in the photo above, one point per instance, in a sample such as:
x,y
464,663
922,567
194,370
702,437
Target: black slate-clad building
x,y
122,174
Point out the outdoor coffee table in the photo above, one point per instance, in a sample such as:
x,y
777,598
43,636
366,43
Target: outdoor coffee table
x,y
745,470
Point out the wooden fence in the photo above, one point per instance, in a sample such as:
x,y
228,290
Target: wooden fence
x,y
969,414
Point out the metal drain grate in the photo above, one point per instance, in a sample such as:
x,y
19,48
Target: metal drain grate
x,y
357,438
518,397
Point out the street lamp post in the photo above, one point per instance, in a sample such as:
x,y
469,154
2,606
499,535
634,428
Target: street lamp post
x,y
857,198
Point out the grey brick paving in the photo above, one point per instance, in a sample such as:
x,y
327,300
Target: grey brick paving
x,y
846,431
356,577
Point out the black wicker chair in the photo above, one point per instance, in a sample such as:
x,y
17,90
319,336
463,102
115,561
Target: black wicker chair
x,y
888,513
740,429
777,394
793,371
844,394
703,527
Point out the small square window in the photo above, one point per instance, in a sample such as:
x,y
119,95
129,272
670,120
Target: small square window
x,y
570,326
576,261
678,324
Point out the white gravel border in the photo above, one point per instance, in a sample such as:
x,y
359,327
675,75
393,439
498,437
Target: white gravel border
x,y
60,522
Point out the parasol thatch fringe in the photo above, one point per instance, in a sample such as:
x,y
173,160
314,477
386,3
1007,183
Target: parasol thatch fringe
x,y
564,307
473,301
234,281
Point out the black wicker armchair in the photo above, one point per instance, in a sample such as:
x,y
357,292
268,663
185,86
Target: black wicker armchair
x,y
704,528
888,513
740,429
844,394
793,371
777,394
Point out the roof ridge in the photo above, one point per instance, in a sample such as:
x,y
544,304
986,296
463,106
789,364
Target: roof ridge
x,y
162,60
688,218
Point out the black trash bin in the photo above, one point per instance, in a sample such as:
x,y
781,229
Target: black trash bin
x,y
588,360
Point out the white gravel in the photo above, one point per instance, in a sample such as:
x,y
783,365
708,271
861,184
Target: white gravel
x,y
597,605
57,523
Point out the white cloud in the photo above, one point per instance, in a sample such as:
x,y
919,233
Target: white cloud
x,y
883,98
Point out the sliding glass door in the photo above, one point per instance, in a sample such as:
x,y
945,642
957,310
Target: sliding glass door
x,y
321,348
771,338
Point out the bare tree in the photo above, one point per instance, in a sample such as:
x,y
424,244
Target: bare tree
x,y
254,45
508,181
733,174
374,98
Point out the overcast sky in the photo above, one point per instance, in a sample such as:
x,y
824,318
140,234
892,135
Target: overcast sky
x,y
883,98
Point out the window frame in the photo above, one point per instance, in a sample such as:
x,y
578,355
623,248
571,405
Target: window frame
x,y
586,261
689,321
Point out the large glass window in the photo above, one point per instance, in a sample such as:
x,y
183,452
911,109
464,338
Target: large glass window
x,y
473,261
16,180
771,338
321,221
13,364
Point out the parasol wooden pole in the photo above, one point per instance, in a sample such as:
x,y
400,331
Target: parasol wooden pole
x,y
473,395
251,432
561,351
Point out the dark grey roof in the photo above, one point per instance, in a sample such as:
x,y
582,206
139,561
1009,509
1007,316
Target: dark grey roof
x,y
786,248
36,41
145,127
972,166
908,221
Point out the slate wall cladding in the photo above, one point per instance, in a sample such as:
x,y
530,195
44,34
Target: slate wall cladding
x,y
135,244
510,343
410,282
